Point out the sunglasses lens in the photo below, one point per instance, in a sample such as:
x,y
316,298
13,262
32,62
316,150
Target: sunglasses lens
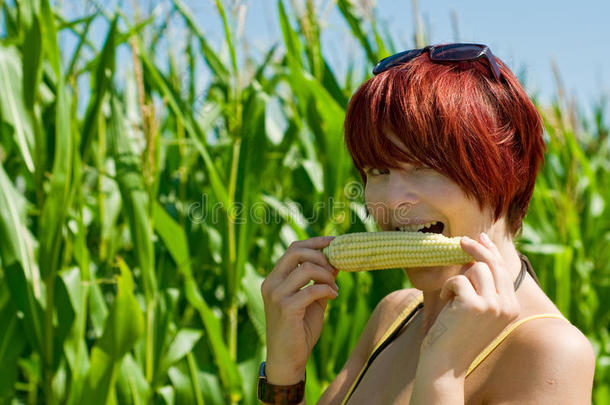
x,y
397,59
457,52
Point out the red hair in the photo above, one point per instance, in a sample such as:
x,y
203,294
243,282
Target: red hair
x,y
456,118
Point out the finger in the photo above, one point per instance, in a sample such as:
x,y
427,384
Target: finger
x,y
458,287
317,242
299,252
482,253
301,276
315,292
486,241
481,279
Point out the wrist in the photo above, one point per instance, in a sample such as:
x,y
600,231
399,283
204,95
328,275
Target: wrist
x,y
280,392
278,374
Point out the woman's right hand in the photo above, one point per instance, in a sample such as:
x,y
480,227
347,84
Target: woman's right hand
x,y
294,317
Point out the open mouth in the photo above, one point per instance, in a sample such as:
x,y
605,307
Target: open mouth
x,y
436,227
432,227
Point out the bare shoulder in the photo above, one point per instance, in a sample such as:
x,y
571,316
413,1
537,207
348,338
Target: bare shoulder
x,y
388,309
545,361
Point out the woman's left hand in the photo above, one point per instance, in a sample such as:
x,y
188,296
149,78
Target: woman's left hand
x,y
481,303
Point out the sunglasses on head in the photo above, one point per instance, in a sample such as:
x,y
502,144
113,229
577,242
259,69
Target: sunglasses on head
x,y
443,53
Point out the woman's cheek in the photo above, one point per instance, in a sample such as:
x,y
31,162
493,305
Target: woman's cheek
x,y
436,184
374,202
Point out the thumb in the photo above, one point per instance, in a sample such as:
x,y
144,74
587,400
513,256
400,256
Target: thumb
x,y
458,285
448,290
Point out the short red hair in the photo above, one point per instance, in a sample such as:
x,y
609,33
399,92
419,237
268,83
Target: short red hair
x,y
456,118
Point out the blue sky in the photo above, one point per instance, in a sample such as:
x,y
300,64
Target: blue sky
x,y
526,35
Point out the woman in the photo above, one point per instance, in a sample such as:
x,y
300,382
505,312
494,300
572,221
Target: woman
x,y
446,137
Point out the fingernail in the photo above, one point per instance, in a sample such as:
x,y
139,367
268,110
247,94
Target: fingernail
x,y
485,237
336,287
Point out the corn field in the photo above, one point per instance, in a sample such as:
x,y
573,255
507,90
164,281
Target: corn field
x,y
141,209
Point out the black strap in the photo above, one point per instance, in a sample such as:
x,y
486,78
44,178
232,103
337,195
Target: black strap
x,y
530,269
521,274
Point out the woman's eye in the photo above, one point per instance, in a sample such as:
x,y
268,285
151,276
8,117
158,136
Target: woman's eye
x,y
376,171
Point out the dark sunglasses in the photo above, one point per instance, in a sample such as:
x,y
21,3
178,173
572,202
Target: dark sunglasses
x,y
443,53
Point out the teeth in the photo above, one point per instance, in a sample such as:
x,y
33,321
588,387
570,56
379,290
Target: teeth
x,y
415,228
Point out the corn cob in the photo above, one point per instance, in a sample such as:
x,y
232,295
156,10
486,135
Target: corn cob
x,y
387,250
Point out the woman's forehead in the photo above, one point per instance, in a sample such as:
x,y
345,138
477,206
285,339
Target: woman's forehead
x,y
401,156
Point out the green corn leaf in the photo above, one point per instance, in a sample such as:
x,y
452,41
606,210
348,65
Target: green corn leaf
x,y
64,306
75,349
183,386
17,242
164,308
134,196
98,310
11,347
174,238
18,263
57,201
11,22
249,172
123,328
82,39
229,375
103,79
355,23
23,296
332,86
221,72
32,52
291,38
49,37
191,125
131,384
183,343
228,36
55,206
12,106
325,118
251,286
292,217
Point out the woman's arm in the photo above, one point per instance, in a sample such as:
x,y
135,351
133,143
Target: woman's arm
x,y
433,387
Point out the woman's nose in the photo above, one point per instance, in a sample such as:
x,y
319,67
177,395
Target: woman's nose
x,y
401,197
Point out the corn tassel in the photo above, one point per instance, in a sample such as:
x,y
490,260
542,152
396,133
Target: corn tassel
x,y
363,251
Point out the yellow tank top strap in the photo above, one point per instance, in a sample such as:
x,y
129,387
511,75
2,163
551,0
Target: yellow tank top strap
x,y
507,331
405,312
